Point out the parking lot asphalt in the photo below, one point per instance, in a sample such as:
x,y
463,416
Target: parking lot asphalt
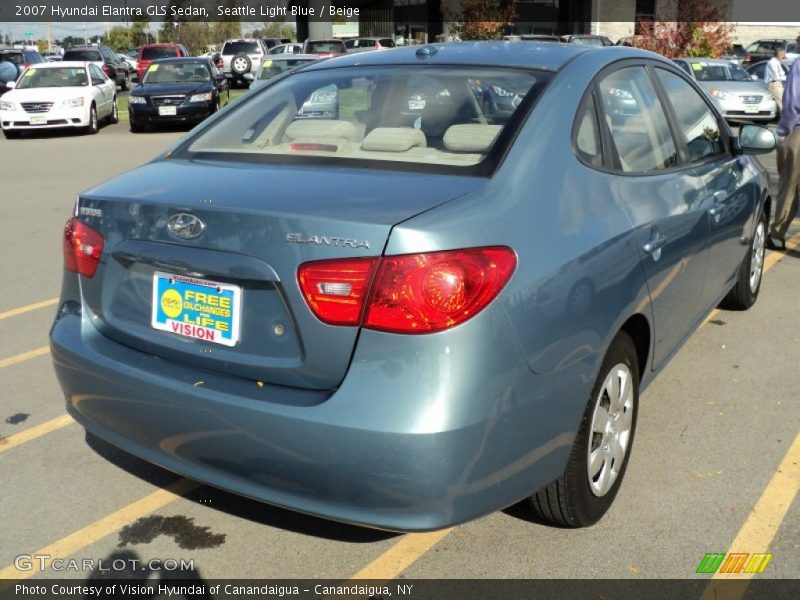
x,y
714,465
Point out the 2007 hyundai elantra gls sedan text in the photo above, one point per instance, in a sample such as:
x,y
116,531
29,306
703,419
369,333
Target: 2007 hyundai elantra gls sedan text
x,y
416,313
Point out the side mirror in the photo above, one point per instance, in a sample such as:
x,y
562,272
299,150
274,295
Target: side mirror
x,y
248,77
10,85
134,79
756,139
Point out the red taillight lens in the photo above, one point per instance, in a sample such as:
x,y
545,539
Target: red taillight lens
x,y
107,70
83,247
412,293
748,58
424,293
337,289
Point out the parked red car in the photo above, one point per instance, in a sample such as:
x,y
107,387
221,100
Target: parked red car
x,y
150,52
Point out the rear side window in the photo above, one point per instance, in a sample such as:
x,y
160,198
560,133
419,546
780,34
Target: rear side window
x,y
387,43
587,133
158,52
639,128
240,47
698,125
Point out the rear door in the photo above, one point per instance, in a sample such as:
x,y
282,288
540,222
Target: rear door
x,y
663,199
727,193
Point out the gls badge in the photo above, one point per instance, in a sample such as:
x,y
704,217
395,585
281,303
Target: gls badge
x,y
326,240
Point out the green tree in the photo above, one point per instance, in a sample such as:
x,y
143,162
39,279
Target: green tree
x,y
7,40
139,33
196,36
167,32
224,30
275,29
118,38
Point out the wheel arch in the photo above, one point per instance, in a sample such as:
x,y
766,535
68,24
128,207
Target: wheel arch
x,y
638,328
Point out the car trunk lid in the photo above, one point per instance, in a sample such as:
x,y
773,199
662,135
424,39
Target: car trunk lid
x,y
260,223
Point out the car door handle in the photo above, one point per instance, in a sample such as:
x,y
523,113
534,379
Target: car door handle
x,y
719,200
656,243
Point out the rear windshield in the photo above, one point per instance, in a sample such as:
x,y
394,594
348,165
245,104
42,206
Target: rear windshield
x,y
791,48
588,41
175,72
240,47
273,67
431,116
158,52
82,55
706,71
320,47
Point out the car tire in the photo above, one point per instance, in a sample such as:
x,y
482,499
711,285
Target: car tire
x,y
241,64
113,118
11,135
579,498
744,293
126,83
94,125
136,128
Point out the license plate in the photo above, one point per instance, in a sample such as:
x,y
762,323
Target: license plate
x,y
167,111
38,120
196,308
750,109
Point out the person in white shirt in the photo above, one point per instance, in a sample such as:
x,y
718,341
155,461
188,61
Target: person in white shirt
x,y
774,76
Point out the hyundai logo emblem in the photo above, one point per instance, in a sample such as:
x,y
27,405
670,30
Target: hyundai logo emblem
x,y
185,226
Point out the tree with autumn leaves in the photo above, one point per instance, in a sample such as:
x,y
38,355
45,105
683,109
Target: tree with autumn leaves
x,y
700,29
478,19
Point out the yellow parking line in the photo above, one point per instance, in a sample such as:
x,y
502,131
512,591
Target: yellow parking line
x,y
14,360
99,529
760,527
402,555
23,309
34,432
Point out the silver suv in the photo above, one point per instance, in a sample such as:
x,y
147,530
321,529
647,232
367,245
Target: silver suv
x,y
242,56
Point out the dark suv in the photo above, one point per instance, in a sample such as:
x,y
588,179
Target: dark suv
x,y
112,65
762,50
21,58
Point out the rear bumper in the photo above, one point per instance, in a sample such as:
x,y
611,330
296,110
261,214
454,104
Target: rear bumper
x,y
384,450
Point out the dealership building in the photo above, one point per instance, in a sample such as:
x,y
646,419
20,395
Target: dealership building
x,y
421,21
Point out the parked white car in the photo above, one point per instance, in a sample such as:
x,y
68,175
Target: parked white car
x,y
53,95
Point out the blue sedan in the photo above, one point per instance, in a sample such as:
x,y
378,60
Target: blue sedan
x,y
417,311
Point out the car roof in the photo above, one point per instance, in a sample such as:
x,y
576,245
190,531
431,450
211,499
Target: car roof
x,y
499,53
697,59
182,59
67,63
289,56
160,45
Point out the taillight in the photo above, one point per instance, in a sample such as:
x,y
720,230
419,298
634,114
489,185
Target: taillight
x,y
336,290
411,293
106,70
83,247
424,293
748,58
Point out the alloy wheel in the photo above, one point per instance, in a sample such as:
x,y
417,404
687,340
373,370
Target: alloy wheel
x,y
610,433
757,256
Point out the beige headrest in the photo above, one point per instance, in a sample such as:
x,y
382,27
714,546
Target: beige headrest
x,y
471,137
393,139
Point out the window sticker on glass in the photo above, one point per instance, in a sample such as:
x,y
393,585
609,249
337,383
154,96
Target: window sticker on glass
x,y
152,67
697,66
416,104
267,63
